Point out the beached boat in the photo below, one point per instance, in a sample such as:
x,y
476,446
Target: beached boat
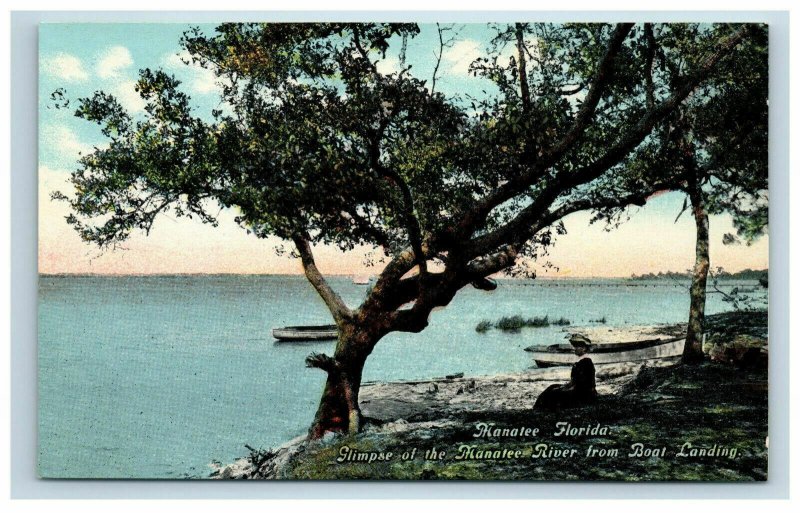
x,y
306,333
638,351
603,347
615,345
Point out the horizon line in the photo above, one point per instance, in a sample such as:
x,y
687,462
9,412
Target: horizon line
x,y
344,275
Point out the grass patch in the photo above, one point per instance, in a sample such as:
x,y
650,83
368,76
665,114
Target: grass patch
x,y
515,323
512,324
722,415
601,320
537,322
483,326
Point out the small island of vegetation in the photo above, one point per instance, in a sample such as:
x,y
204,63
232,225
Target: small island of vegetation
x,y
515,323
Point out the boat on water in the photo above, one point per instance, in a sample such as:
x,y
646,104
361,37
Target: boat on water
x,y
306,333
615,345
659,349
361,280
603,347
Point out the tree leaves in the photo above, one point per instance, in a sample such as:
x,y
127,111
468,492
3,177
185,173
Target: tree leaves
x,y
308,123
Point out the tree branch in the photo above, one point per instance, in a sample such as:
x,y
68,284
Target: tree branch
x,y
321,361
648,65
408,209
532,219
569,92
522,70
361,50
567,181
443,43
488,265
391,290
408,290
411,221
637,198
438,58
332,300
392,273
415,319
605,72
440,293
366,226
601,79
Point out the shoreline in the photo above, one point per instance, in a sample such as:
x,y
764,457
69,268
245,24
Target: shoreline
x,y
396,407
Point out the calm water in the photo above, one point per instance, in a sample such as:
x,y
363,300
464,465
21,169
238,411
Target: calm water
x,y
152,377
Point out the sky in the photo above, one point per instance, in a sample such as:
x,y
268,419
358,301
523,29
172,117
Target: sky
x,y
83,58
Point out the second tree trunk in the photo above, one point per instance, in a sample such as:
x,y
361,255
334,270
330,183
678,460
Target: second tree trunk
x,y
693,349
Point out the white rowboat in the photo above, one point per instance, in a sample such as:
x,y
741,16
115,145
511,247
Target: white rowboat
x,y
306,333
666,349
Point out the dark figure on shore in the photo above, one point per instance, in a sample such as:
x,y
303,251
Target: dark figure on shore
x,y
581,387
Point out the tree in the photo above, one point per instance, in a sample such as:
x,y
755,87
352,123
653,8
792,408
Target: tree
x,y
314,145
718,143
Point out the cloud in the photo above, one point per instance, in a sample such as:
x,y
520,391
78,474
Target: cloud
x,y
460,56
64,142
127,96
112,61
200,80
388,65
51,179
204,81
51,213
65,66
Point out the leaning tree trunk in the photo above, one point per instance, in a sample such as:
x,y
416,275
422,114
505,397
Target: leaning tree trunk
x,y
338,409
693,348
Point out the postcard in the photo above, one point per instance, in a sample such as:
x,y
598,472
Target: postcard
x,y
517,251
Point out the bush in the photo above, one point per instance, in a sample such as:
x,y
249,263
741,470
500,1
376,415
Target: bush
x,y
512,324
515,323
483,326
538,322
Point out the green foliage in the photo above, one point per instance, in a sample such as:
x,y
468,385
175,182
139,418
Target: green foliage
x,y
484,326
512,324
561,321
292,149
717,141
306,124
515,323
312,142
739,298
